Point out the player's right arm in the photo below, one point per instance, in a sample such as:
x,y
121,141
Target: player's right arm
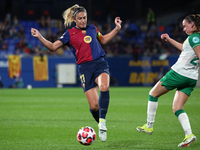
x,y
51,46
172,41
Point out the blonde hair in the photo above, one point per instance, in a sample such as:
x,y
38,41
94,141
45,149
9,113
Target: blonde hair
x,y
70,14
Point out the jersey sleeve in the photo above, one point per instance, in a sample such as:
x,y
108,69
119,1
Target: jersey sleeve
x,y
194,40
65,38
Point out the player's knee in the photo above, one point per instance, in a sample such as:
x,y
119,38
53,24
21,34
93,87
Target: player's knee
x,y
174,109
152,93
94,107
103,87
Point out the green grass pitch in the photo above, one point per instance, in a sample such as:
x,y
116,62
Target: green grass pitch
x,y
49,119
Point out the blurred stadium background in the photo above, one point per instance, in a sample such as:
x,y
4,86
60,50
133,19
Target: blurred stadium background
x,y
137,56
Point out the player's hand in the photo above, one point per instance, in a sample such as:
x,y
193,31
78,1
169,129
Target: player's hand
x,y
118,22
35,32
165,37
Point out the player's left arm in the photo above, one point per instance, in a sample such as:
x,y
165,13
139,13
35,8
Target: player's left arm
x,y
197,51
104,39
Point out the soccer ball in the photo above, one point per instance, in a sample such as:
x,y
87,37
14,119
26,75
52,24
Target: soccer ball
x,y
86,135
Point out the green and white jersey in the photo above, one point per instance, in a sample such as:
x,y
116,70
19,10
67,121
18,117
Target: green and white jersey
x,y
188,63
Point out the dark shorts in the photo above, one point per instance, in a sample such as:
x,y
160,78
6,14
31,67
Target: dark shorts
x,y
89,71
173,80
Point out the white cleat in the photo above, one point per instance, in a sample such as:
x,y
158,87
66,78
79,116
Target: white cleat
x,y
102,130
188,140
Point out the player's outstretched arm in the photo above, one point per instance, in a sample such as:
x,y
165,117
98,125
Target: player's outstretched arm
x,y
51,46
107,37
176,44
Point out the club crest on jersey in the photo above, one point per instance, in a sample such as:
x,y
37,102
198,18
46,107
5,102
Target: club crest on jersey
x,y
87,39
83,31
195,39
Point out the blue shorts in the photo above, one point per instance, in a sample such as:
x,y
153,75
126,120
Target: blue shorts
x,y
89,71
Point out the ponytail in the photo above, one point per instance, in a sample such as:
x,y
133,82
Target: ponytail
x,y
70,14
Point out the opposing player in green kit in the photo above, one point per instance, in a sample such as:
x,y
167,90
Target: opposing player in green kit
x,y
183,77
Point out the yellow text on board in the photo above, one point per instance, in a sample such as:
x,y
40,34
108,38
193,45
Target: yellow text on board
x,y
146,63
136,78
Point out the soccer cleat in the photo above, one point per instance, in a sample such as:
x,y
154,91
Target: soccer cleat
x,y
102,130
145,129
188,140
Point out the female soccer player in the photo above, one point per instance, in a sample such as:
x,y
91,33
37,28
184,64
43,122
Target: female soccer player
x,y
183,77
84,41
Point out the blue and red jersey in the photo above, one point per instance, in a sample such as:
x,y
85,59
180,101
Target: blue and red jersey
x,y
83,43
